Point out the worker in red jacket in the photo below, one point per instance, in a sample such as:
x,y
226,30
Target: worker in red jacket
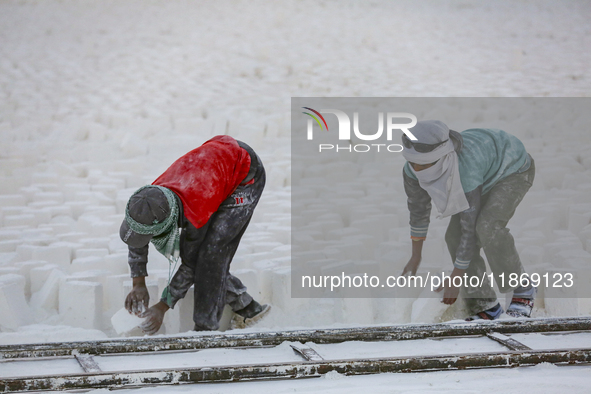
x,y
196,211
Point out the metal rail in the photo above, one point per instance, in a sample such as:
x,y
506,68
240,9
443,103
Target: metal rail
x,y
303,369
259,339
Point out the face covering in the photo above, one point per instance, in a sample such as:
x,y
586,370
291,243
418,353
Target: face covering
x,y
442,180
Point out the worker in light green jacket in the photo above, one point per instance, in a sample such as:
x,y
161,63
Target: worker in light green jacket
x,y
478,177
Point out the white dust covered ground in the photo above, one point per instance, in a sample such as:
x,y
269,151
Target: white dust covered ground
x,y
97,98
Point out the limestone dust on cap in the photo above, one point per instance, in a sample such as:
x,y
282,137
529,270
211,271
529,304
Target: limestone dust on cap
x,y
148,206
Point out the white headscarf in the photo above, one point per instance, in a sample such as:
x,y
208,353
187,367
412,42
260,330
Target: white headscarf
x,y
442,180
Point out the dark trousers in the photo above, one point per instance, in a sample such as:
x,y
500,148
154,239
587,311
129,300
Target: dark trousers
x,y
497,207
207,265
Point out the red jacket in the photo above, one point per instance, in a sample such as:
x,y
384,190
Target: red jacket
x,y
206,176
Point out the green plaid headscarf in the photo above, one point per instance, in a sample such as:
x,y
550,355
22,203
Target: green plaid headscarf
x,y
166,236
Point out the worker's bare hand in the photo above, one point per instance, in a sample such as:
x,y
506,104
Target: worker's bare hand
x,y
137,300
154,317
450,291
450,294
412,265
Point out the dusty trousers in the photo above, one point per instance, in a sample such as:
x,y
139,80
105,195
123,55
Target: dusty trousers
x,y
497,208
207,252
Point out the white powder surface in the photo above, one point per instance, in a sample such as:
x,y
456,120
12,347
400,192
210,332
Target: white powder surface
x,y
203,358
98,97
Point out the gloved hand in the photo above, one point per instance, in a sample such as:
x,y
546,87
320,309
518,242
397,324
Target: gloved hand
x,y
138,298
154,317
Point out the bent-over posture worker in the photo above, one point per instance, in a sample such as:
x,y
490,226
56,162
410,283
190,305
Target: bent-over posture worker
x,y
478,177
197,210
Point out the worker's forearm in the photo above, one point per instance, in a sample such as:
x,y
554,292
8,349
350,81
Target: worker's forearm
x,y
179,285
139,281
457,272
161,305
417,247
137,259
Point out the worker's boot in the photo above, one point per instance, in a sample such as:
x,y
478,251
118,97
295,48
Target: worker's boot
x,y
250,315
489,314
522,302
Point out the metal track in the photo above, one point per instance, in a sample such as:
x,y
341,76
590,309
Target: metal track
x,y
294,370
384,333
311,365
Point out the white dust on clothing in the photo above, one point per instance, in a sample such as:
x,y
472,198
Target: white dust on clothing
x,y
98,99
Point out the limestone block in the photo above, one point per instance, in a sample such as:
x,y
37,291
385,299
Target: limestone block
x,y
25,251
354,310
96,226
60,210
12,200
116,245
70,189
561,299
99,252
185,307
8,270
280,295
428,308
9,245
109,190
47,296
114,291
226,318
73,238
95,243
532,256
116,263
25,268
57,197
59,253
126,323
98,276
8,258
249,278
122,198
282,251
392,309
81,303
558,307
280,233
14,310
367,244
39,274
6,235
579,216
41,215
20,220
45,178
179,319
87,264
76,207
264,269
392,252
319,312
11,211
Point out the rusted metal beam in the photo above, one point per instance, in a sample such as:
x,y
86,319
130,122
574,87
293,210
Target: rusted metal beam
x,y
306,352
237,339
294,370
87,363
511,343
